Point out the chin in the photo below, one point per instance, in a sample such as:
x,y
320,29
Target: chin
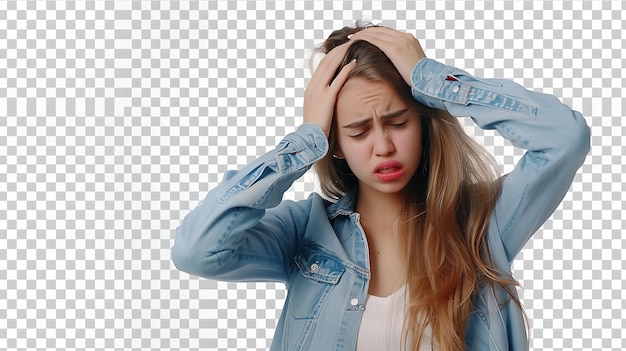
x,y
391,188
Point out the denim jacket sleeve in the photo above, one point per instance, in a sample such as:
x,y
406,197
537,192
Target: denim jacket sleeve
x,y
556,139
242,230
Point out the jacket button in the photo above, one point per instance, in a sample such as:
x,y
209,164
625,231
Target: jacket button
x,y
354,301
314,267
455,89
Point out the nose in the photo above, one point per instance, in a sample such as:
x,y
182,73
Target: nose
x,y
383,145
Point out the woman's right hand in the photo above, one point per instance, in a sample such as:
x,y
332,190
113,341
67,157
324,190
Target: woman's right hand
x,y
320,95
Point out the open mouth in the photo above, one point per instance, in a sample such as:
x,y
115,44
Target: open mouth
x,y
389,170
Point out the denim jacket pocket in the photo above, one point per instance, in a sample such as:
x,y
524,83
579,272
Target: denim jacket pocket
x,y
318,271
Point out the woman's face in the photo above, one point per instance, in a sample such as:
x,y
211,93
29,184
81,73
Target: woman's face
x,y
378,134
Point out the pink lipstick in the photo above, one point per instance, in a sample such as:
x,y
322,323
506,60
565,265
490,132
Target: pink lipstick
x,y
389,170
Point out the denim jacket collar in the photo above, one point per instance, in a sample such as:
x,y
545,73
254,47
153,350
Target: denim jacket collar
x,y
345,205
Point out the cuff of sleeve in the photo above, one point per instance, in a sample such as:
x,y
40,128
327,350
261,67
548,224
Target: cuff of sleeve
x,y
434,83
314,136
305,146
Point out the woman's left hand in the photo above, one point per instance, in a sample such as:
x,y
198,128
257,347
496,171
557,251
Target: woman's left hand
x,y
402,48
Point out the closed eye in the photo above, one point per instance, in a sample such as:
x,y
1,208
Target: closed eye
x,y
398,125
359,135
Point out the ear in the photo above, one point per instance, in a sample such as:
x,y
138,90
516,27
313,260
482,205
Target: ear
x,y
338,154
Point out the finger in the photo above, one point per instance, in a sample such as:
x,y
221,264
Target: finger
x,y
328,65
341,78
383,38
381,33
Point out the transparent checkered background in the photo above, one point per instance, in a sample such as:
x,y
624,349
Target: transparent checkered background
x,y
116,117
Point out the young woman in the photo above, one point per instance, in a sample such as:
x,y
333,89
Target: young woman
x,y
411,246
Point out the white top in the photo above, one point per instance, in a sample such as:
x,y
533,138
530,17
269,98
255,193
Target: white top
x,y
382,322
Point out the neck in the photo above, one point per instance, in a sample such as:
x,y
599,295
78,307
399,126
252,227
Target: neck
x,y
379,207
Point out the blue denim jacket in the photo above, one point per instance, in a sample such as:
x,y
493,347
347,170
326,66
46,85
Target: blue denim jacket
x,y
244,231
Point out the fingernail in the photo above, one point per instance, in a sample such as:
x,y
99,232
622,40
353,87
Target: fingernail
x,y
349,36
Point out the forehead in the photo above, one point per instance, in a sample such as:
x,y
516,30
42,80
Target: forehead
x,y
363,98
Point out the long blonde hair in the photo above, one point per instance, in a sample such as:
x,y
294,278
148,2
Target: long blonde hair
x,y
447,207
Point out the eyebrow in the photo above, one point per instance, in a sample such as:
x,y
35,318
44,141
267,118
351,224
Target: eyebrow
x,y
365,121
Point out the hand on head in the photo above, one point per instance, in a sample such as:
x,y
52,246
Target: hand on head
x,y
403,49
321,93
